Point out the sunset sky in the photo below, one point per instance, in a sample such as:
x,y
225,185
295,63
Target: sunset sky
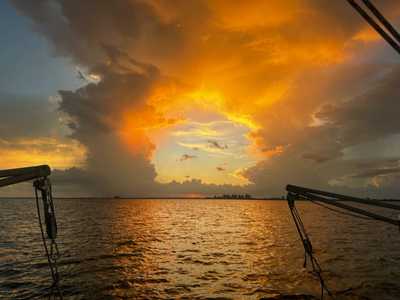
x,y
199,97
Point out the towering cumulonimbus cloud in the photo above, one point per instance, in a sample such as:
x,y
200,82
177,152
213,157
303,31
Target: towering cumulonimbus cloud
x,y
96,112
87,33
307,77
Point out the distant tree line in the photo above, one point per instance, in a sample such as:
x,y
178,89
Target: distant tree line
x,y
233,196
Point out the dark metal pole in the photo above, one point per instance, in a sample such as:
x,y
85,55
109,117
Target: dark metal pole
x,y
360,211
13,176
371,21
383,20
42,170
300,190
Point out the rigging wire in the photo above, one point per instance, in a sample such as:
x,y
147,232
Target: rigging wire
x,y
340,212
314,196
44,186
392,38
308,249
383,20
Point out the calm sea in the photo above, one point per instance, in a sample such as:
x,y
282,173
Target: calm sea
x,y
195,249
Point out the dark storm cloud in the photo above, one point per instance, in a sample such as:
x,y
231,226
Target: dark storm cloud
x,y
316,157
96,111
362,119
73,177
343,176
377,172
91,33
116,40
185,157
287,122
98,105
370,116
215,144
78,29
346,121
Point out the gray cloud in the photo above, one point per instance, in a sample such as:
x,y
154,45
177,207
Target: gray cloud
x,y
215,144
79,29
315,154
97,35
25,116
288,120
185,157
369,116
377,172
90,33
96,110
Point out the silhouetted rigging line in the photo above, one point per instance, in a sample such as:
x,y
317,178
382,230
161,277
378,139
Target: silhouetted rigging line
x,y
341,212
331,195
330,200
336,200
394,38
308,249
383,20
42,183
53,254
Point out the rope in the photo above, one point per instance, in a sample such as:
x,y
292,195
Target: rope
x,y
308,250
44,186
385,35
315,197
342,212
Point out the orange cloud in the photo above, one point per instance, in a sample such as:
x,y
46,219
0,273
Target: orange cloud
x,y
246,61
267,65
36,151
367,34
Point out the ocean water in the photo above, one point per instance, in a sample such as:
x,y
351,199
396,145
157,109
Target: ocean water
x,y
195,249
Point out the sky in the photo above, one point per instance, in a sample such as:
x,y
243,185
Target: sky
x,y
199,97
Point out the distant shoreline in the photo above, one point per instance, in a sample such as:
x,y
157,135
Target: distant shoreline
x,y
177,198
149,198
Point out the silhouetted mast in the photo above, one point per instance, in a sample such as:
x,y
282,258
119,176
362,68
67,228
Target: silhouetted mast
x,y
388,32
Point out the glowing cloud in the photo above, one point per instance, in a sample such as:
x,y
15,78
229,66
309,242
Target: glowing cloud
x,y
237,79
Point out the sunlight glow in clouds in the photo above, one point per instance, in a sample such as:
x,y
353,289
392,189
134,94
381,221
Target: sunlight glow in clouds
x,y
198,147
31,152
198,94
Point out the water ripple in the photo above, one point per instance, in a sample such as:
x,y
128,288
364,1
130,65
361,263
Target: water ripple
x,y
197,249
